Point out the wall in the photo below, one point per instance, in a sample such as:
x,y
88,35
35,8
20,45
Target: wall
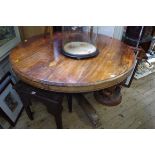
x,y
107,30
29,31
112,31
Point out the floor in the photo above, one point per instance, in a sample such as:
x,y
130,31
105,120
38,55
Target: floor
x,y
137,110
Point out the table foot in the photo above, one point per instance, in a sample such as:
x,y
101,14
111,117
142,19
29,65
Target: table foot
x,y
89,110
110,96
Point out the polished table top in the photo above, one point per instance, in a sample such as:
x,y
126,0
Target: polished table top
x,y
42,65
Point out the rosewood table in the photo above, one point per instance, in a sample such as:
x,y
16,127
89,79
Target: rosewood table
x,y
40,63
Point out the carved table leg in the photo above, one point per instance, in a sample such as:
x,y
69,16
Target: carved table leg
x,y
88,109
110,96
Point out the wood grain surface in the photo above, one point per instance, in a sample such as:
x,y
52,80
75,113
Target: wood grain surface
x,y
40,63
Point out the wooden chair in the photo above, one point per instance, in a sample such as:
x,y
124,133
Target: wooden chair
x,y
53,101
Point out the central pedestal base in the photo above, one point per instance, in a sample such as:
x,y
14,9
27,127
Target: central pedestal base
x,y
110,96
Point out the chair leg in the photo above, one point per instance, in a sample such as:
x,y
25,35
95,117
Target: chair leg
x,y
56,111
26,103
58,120
69,100
29,113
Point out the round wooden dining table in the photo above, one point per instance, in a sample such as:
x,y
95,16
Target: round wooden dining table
x,y
39,62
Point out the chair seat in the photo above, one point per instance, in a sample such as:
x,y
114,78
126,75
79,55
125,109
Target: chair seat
x,y
39,93
52,100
